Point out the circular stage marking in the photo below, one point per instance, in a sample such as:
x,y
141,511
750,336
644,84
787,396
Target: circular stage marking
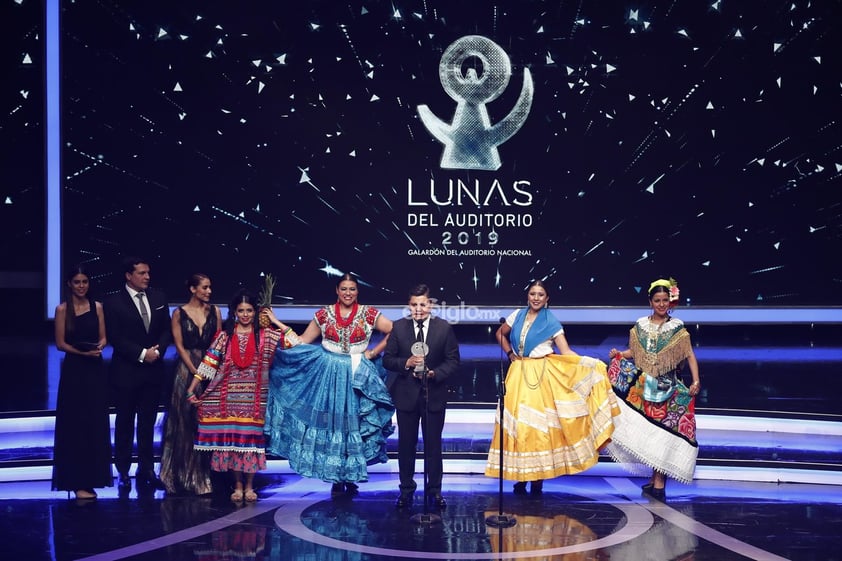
x,y
638,521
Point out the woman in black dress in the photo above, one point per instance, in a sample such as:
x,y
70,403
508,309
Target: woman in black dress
x,y
194,325
82,449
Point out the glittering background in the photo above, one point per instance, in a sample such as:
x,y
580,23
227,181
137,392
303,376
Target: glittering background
x,y
694,139
22,152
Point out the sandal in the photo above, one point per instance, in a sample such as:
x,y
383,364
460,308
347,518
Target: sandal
x,y
250,495
237,495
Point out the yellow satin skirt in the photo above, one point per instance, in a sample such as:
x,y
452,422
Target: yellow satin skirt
x,y
558,412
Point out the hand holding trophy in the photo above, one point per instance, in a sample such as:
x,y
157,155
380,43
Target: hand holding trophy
x,y
419,349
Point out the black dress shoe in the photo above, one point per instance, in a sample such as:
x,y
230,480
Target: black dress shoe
x,y
404,500
149,479
124,482
351,489
536,487
437,500
657,494
519,488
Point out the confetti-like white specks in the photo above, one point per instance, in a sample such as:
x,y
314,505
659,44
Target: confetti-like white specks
x,y
647,139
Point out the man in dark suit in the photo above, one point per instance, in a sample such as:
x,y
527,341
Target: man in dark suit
x,y
137,322
418,385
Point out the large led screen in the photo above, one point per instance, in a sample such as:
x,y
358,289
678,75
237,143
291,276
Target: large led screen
x,y
470,145
22,155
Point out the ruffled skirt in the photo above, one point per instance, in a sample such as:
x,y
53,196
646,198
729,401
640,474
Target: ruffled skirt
x,y
558,411
660,436
329,419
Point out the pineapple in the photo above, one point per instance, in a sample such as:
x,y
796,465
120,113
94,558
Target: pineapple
x,y
264,297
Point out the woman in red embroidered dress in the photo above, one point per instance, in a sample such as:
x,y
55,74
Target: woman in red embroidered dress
x,y
329,411
233,406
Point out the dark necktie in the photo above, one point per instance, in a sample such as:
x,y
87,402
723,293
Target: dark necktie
x,y
143,312
419,338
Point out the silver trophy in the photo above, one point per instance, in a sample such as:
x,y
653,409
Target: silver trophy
x,y
419,349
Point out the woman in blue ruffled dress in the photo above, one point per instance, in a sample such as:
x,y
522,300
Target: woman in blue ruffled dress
x,y
329,412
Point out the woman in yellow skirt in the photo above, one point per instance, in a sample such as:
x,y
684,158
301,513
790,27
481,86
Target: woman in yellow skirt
x,y
558,408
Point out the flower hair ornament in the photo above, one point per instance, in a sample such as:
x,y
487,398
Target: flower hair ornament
x,y
671,285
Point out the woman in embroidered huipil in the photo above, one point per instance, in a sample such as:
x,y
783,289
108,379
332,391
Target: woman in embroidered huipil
x,y
558,408
233,406
194,326
658,424
329,411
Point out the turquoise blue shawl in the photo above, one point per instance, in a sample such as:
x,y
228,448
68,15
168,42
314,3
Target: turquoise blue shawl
x,y
543,328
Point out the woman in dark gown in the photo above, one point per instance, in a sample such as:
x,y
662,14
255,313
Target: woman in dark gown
x,y
194,325
82,448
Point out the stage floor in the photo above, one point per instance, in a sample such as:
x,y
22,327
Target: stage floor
x,y
576,518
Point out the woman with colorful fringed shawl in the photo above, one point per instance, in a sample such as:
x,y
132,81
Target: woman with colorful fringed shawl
x,y
558,408
658,426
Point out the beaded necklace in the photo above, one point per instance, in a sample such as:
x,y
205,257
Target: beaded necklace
x,y
243,360
527,323
654,340
345,322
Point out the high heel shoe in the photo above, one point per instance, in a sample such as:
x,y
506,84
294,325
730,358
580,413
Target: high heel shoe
x,y
519,488
404,500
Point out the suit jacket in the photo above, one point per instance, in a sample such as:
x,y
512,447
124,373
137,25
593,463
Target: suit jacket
x,y
443,357
126,334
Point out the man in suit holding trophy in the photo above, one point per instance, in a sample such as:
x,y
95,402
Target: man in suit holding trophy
x,y
421,354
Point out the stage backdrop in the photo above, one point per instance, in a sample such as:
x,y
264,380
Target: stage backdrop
x,y
472,145
22,155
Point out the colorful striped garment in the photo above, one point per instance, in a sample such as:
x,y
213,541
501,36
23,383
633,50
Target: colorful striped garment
x,y
233,407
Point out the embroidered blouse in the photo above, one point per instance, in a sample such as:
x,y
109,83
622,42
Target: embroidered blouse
x,y
659,348
350,339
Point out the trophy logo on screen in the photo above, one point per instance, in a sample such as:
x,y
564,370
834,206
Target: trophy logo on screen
x,y
475,70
